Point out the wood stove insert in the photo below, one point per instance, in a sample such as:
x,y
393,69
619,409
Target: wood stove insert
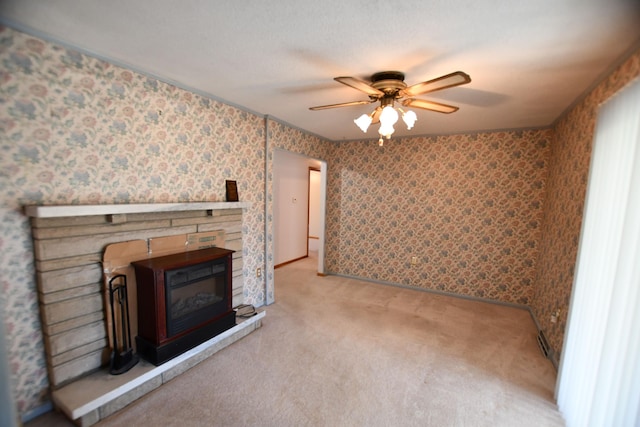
x,y
184,299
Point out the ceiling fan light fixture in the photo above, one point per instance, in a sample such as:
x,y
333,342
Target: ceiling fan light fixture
x,y
363,122
386,130
388,117
409,118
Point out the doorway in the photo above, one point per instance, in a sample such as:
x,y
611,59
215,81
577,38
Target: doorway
x,y
313,229
298,207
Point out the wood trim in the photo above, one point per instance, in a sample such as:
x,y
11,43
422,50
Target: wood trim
x,y
290,261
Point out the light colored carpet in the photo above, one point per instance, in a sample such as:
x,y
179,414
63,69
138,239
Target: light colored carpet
x,y
340,352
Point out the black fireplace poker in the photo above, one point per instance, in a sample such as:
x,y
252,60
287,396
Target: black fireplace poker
x,y
123,357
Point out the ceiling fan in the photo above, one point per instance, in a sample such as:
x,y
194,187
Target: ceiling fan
x,y
387,87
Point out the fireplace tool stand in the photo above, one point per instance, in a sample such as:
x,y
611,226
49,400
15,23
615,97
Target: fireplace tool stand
x,y
122,356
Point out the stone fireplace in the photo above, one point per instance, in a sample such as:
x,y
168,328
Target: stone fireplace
x,y
68,244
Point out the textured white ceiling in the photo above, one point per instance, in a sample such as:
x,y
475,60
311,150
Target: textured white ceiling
x,y
528,60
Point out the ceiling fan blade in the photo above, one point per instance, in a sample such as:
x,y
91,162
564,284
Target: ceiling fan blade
x,y
450,80
361,85
429,105
343,104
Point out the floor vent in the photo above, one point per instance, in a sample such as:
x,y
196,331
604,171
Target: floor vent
x,y
542,343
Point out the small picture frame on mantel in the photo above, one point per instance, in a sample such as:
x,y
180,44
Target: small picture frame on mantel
x,y
232,191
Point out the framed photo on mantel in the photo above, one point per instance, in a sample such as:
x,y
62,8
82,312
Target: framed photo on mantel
x,y
232,191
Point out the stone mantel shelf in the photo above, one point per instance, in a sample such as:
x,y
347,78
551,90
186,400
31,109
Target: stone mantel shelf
x,y
118,209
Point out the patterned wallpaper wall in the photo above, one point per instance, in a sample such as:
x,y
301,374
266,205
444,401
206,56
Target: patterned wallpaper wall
x,y
567,184
468,207
77,130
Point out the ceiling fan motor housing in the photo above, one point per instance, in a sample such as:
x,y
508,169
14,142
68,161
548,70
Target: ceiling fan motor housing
x,y
389,82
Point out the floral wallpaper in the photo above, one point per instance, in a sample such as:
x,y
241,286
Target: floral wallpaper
x,y
77,130
467,207
567,185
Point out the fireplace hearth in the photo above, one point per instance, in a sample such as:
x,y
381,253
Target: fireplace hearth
x,y
184,299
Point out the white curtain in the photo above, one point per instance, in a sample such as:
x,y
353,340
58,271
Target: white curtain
x,y
599,378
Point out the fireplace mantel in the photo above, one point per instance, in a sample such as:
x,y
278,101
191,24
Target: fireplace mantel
x,y
57,211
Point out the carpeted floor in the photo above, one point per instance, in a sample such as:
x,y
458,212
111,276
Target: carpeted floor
x,y
340,352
